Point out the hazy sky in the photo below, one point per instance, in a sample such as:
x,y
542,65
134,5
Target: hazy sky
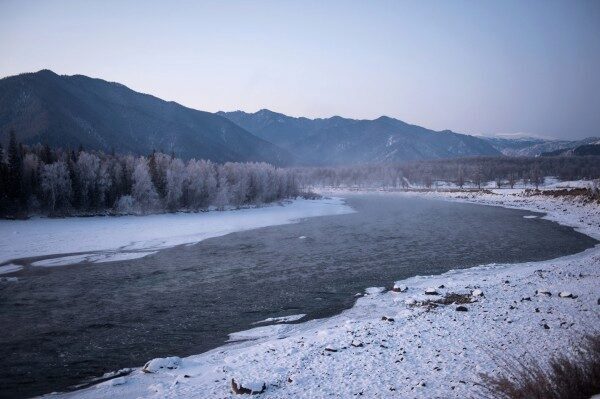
x,y
477,67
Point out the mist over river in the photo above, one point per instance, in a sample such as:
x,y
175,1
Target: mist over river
x,y
66,324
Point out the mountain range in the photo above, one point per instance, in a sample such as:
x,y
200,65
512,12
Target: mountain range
x,y
69,111
339,141
531,147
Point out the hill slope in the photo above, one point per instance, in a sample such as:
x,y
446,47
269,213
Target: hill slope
x,y
529,146
68,111
340,140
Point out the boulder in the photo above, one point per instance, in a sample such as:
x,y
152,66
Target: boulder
x,y
250,388
477,292
399,288
431,291
461,308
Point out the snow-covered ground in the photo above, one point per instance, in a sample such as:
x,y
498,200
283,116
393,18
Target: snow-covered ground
x,y
396,344
109,238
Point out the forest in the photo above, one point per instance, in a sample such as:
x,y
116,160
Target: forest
x,y
42,180
61,182
463,172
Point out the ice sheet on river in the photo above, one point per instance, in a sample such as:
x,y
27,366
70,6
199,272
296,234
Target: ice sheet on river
x,y
103,238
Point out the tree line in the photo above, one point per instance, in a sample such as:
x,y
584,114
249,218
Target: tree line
x,y
471,172
53,181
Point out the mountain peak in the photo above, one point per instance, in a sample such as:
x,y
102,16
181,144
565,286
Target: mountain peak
x,y
45,72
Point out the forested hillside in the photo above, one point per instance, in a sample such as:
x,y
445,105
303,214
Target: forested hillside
x,y
69,111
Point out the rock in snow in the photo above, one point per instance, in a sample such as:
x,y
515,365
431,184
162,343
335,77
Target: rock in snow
x,y
160,364
543,291
250,388
565,294
431,291
399,288
477,293
374,290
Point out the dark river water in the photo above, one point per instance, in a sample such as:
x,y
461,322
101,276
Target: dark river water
x,y
63,325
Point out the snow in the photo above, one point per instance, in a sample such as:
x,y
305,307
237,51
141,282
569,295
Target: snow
x,y
91,258
10,268
429,350
161,364
282,319
374,290
104,239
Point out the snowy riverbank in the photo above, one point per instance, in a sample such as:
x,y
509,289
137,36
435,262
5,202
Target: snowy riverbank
x,y
102,239
399,344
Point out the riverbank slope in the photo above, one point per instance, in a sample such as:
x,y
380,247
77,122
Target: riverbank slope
x,y
408,344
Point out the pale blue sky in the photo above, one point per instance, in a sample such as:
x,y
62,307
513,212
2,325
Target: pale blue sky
x,y
477,67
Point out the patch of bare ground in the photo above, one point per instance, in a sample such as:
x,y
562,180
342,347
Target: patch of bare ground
x,y
450,298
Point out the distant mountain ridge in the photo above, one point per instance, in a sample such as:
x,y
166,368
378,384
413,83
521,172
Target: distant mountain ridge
x,y
67,111
592,148
338,141
528,146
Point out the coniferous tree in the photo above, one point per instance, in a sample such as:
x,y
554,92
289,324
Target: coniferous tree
x,y
15,171
3,179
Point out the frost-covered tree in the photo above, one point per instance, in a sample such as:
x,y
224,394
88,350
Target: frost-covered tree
x,y
222,196
103,184
143,191
87,172
175,178
96,181
56,186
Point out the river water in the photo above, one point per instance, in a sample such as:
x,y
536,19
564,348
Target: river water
x,y
63,325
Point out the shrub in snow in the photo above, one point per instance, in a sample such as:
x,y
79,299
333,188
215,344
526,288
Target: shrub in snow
x,y
563,376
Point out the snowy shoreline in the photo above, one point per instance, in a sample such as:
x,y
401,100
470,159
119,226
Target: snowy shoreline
x,y
105,239
396,343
